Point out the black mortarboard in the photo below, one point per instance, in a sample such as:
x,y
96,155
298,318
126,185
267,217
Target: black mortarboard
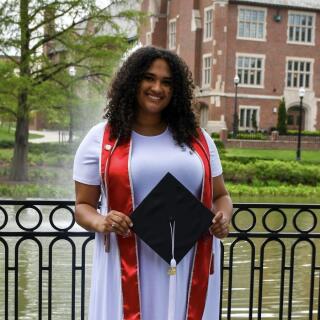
x,y
170,211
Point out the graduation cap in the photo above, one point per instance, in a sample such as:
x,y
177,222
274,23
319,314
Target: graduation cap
x,y
171,219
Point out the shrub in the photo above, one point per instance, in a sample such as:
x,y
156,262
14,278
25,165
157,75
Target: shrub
x,y
252,136
281,190
215,135
6,144
288,172
241,159
282,117
6,155
304,133
220,146
21,191
56,148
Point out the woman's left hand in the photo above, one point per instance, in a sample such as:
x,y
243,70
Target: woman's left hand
x,y
220,225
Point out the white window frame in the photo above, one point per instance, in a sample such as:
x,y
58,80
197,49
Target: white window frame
x,y
148,39
207,25
300,59
246,108
172,36
206,71
252,8
250,55
313,28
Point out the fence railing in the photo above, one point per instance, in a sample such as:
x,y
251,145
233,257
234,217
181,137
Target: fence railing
x,y
270,268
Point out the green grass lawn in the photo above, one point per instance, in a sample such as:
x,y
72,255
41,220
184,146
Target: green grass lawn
x,y
7,134
311,156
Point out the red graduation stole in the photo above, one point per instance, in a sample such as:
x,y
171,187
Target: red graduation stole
x,y
114,170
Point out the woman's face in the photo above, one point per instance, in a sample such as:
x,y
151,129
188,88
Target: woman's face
x,y
155,90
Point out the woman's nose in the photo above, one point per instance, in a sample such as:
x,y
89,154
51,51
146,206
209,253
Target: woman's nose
x,y
156,85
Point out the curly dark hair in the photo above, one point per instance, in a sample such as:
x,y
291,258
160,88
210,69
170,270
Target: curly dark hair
x,y
122,101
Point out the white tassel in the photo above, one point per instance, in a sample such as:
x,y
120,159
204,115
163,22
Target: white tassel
x,y
172,289
172,272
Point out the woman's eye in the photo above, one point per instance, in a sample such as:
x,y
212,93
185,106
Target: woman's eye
x,y
167,83
148,78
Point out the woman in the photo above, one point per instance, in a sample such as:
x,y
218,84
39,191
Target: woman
x,y
150,130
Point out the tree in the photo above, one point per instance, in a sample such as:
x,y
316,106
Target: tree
x,y
254,121
47,37
282,117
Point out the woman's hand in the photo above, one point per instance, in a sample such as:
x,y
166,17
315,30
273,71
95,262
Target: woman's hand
x,y
220,225
86,215
117,222
222,208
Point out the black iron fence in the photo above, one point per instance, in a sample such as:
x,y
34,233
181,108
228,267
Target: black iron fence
x,y
270,265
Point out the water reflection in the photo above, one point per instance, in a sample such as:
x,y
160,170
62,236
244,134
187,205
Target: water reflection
x,y
28,279
61,271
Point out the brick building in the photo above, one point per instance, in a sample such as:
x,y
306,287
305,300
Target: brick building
x,y
272,45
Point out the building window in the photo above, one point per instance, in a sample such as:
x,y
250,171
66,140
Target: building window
x,y
250,70
208,22
299,73
290,120
249,118
206,70
301,27
172,33
251,23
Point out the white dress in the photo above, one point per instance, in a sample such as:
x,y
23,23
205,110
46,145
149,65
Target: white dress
x,y
151,158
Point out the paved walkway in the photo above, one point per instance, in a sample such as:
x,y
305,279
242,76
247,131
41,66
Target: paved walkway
x,y
49,136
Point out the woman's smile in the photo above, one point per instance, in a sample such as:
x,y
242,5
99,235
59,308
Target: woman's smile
x,y
153,98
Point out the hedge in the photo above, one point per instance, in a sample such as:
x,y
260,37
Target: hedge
x,y
282,190
249,136
304,133
289,172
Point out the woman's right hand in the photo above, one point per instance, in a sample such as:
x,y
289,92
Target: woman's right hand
x,y
86,215
115,221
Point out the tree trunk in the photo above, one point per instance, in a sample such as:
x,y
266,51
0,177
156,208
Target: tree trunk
x,y
70,125
19,165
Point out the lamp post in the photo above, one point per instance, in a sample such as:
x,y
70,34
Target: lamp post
x,y
301,95
235,113
72,72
